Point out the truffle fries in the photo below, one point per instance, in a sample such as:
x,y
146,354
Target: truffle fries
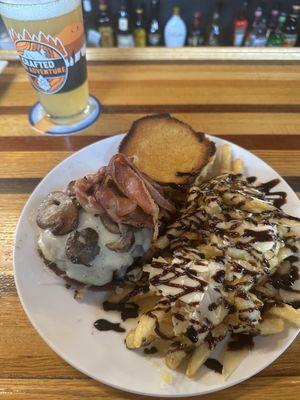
x,y
227,266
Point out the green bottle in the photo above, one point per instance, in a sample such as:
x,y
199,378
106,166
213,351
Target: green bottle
x,y
276,37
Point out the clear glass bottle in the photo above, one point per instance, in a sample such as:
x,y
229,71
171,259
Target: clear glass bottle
x,y
175,30
214,37
105,27
290,33
139,30
154,29
92,36
260,34
273,22
195,37
124,35
276,37
240,26
250,36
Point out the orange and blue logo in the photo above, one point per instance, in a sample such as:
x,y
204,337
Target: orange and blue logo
x,y
53,64
43,58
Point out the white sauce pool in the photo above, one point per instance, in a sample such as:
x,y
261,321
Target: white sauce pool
x,y
105,263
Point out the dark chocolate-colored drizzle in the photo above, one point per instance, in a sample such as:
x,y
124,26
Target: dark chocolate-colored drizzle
x,y
105,325
214,365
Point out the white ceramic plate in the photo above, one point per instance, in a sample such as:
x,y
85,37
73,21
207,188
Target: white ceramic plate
x,y
67,325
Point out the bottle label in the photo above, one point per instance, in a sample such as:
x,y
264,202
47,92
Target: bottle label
x,y
195,41
140,37
289,40
239,37
213,40
123,24
93,37
87,5
107,37
154,39
125,41
175,39
260,41
53,64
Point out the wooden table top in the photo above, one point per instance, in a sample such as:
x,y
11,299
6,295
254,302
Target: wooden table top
x,y
256,106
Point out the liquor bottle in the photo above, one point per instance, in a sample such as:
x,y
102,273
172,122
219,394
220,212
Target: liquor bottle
x,y
92,35
196,37
124,35
214,38
259,38
139,31
296,11
154,31
175,30
250,34
105,26
240,26
273,23
290,33
276,37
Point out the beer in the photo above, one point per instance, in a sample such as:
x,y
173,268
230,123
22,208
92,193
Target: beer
x,y
49,38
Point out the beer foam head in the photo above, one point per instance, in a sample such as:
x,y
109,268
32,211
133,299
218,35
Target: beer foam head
x,y
35,10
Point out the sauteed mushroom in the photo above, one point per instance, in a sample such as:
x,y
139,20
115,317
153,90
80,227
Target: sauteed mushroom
x,y
57,213
109,224
82,246
123,244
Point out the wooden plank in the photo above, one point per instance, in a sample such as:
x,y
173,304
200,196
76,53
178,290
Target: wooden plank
x,y
77,389
244,92
16,125
17,164
160,72
74,143
122,84
184,54
10,210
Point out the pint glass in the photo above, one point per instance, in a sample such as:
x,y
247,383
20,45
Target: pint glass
x,y
49,38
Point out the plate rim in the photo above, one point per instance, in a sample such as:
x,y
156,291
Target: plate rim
x,y
117,138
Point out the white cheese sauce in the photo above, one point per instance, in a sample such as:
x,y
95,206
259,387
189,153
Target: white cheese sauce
x,y
105,264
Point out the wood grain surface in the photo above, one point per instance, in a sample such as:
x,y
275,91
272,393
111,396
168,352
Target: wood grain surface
x,y
256,106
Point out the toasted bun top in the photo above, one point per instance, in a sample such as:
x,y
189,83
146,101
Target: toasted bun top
x,y
166,149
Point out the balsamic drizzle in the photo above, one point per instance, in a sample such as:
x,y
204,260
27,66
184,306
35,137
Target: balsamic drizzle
x,y
240,341
105,325
214,365
127,310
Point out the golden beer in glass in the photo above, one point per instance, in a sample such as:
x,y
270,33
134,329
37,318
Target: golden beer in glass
x,y
49,38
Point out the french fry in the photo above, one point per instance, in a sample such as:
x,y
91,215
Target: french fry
x,y
130,339
174,358
225,158
270,326
232,360
286,312
145,327
198,358
238,166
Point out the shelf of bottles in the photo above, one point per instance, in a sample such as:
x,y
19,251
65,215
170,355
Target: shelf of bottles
x,y
134,25
186,23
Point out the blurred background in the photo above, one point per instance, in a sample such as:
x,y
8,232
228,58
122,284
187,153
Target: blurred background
x,y
206,22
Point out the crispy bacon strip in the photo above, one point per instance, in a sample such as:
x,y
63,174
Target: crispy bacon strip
x,y
154,189
85,188
124,193
115,205
129,183
138,219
